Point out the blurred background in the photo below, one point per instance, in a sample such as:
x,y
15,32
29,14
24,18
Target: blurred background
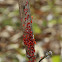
x,y
47,28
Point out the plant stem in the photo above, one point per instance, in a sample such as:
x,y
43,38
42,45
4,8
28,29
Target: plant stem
x,y
26,23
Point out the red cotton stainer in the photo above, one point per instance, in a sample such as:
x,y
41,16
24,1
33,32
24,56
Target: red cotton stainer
x,y
26,22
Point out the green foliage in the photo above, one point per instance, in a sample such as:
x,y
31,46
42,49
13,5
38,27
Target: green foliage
x,y
16,12
52,21
36,29
7,22
56,58
44,23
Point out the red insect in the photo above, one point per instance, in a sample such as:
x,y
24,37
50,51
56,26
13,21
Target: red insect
x,y
23,24
31,21
28,37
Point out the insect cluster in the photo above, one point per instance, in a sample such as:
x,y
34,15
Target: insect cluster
x,y
28,39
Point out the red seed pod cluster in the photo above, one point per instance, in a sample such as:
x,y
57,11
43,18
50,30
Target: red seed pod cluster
x,y
28,37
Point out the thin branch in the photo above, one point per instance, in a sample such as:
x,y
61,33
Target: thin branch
x,y
26,23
